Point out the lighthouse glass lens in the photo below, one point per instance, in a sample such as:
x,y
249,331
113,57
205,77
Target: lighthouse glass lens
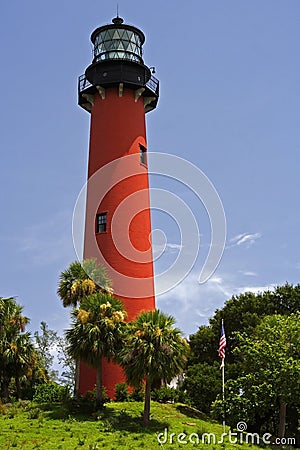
x,y
118,43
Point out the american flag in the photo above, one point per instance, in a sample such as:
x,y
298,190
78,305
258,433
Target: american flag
x,y
222,344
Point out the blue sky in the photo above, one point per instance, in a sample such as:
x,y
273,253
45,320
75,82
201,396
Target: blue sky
x,y
229,103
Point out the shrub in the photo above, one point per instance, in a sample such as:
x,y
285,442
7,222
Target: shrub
x,y
51,393
86,404
183,397
34,413
81,440
122,394
3,408
11,412
138,394
165,394
24,404
94,446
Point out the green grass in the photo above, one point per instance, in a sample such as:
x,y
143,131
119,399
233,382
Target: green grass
x,y
29,426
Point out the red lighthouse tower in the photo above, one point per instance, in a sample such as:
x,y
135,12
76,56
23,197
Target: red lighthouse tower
x,y
118,89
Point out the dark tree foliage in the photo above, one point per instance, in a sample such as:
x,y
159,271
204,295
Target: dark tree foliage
x,y
241,314
203,381
268,385
20,364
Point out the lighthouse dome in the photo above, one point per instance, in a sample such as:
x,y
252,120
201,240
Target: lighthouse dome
x,y
118,41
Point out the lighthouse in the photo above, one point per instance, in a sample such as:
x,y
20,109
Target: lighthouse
x,y
118,89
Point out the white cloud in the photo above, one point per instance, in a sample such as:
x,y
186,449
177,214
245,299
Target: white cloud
x,y
175,246
216,280
244,238
254,289
248,273
165,249
192,304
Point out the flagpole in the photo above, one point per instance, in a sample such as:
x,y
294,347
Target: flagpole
x,y
223,393
222,346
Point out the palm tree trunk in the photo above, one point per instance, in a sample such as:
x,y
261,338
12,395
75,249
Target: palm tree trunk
x,y
5,389
99,391
146,415
282,418
18,387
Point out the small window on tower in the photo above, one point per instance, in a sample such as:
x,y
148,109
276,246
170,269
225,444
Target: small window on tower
x,y
101,222
143,155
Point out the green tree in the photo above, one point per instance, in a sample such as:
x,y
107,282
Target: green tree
x,y
270,374
36,374
46,340
18,356
273,356
97,331
76,283
248,401
241,313
81,280
67,363
154,350
244,312
204,345
202,384
12,323
21,356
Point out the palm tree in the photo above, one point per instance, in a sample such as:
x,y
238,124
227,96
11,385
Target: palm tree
x,y
81,280
97,331
11,314
76,283
154,350
19,356
16,347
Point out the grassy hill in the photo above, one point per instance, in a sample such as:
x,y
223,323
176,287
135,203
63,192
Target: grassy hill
x,y
29,426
